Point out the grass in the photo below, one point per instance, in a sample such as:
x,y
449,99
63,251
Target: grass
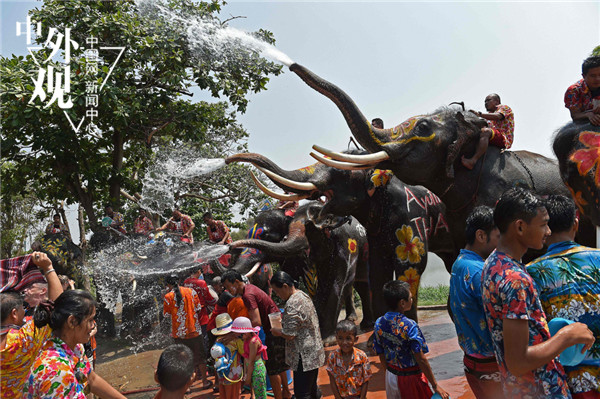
x,y
434,295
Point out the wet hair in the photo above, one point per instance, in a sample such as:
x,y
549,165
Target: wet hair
x,y
231,276
207,215
280,278
377,121
108,206
9,300
589,63
562,212
216,281
224,298
394,291
77,303
481,218
346,326
516,203
56,216
174,281
175,367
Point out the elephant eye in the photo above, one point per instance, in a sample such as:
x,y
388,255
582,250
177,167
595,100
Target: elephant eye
x,y
422,128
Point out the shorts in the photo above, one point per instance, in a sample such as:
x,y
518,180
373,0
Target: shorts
x,y
483,377
197,347
414,386
497,139
276,354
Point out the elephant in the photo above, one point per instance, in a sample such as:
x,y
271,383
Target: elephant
x,y
330,258
576,147
402,222
66,257
426,150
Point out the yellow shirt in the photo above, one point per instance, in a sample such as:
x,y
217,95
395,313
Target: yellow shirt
x,y
22,347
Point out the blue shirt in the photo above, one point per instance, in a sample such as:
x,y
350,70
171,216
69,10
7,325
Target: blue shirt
x,y
568,281
467,305
398,337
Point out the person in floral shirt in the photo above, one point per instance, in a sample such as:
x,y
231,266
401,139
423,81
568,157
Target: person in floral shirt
x,y
500,130
567,278
62,370
142,224
217,230
401,347
522,344
183,305
348,367
481,368
20,343
117,221
583,97
180,224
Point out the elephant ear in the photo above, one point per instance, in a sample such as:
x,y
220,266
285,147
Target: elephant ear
x,y
464,134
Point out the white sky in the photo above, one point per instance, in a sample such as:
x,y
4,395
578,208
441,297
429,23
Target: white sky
x,y
399,59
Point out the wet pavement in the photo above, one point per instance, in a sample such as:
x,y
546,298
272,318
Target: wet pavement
x,y
131,373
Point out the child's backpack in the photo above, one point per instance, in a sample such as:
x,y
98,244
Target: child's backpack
x,y
223,361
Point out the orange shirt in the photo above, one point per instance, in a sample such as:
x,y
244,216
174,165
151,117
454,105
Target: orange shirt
x,y
236,308
184,317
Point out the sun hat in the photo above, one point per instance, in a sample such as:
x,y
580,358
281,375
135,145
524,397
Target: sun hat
x,y
242,325
223,322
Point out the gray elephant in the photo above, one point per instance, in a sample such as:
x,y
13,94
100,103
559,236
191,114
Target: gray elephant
x,y
426,150
402,222
329,257
576,146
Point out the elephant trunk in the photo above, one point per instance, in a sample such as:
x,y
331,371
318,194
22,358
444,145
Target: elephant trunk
x,y
367,135
289,180
295,243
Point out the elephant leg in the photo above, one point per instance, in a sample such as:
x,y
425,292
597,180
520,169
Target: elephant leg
x,y
328,303
379,274
349,303
362,287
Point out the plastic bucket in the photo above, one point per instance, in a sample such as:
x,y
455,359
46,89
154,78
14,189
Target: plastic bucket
x,y
571,356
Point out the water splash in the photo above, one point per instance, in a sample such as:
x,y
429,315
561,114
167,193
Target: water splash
x,y
209,37
173,171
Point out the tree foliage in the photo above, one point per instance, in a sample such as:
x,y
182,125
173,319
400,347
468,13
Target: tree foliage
x,y
145,104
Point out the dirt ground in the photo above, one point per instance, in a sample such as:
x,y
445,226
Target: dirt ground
x,y
133,372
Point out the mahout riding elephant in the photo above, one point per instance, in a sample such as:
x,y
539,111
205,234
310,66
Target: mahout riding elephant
x,y
402,222
426,150
577,147
329,257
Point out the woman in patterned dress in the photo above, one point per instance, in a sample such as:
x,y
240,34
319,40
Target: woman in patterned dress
x,y
304,351
62,370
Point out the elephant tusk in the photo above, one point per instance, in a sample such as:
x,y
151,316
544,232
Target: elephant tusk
x,y
287,182
362,159
340,165
270,193
134,286
253,270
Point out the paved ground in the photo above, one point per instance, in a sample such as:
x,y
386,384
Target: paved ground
x,y
132,372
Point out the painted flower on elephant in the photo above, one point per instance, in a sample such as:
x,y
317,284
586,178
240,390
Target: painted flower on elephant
x,y
381,177
352,245
310,169
411,248
411,276
589,157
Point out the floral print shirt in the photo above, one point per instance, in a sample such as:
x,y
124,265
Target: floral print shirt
x,y
579,97
219,232
22,347
185,322
568,280
465,301
55,372
506,126
398,337
300,320
142,225
349,378
509,293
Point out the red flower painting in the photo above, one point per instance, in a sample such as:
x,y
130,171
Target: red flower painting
x,y
589,157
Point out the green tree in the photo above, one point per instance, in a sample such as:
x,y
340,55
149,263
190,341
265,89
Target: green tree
x,y
145,104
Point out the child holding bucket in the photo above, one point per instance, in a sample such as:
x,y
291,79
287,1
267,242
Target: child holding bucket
x,y
254,355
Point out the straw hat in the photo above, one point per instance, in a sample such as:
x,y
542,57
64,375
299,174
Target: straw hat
x,y
223,322
242,325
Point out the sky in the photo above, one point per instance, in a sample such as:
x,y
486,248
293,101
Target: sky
x,y
400,59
